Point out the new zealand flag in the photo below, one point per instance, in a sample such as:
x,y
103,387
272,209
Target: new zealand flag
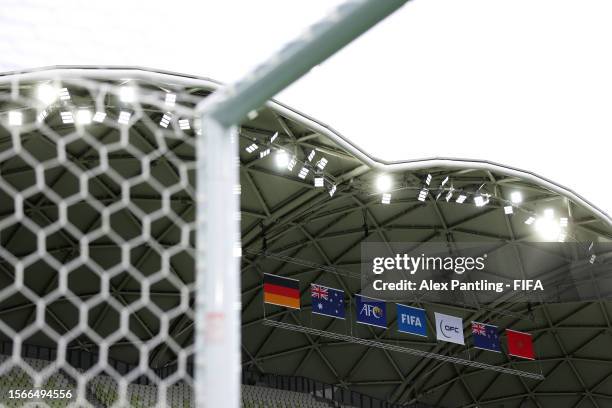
x,y
327,301
486,337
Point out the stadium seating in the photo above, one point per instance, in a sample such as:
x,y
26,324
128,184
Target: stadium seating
x,y
104,389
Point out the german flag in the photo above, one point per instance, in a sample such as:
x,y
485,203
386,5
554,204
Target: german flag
x,y
281,291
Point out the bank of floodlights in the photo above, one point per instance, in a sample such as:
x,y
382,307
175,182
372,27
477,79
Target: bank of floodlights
x,y
67,117
322,163
170,99
83,116
423,194
124,117
99,117
15,118
319,181
303,172
251,148
386,198
165,120
461,199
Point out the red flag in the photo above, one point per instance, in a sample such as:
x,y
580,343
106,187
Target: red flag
x,y
520,344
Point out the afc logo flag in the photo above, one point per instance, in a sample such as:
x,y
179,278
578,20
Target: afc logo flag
x,y
371,311
411,320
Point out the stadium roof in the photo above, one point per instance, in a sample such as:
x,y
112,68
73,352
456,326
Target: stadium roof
x,y
292,228
473,75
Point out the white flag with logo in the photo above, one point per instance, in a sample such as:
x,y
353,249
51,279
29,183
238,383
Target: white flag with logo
x,y
449,328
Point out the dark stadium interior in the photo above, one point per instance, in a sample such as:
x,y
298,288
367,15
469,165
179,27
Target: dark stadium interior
x,y
291,228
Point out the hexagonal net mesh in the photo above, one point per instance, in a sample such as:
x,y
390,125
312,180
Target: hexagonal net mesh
x,y
96,242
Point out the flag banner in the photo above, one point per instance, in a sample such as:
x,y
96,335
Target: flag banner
x,y
327,301
281,291
486,337
449,328
371,311
520,344
411,320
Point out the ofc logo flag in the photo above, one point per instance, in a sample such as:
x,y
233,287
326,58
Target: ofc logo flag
x,y
449,328
327,301
486,337
371,311
411,320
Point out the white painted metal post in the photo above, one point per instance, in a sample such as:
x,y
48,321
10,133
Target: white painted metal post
x,y
217,318
218,307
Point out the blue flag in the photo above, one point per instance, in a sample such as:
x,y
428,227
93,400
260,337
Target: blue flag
x,y
327,301
411,320
371,311
486,337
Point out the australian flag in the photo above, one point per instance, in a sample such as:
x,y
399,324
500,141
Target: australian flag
x,y
486,337
327,301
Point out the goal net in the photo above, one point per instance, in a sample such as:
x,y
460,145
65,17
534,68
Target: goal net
x,y
97,224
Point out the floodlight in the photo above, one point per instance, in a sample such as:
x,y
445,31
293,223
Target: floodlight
x,y
563,221
184,124
67,117
423,194
529,220
237,189
127,94
311,155
252,115
292,163
444,181
322,163
64,95
264,153
548,228
383,183
170,99
461,199
165,120
449,195
251,148
592,259
386,198
282,158
15,118
481,200
83,116
319,181
428,179
549,213
124,117
46,93
516,197
508,210
274,136
332,190
303,172
99,117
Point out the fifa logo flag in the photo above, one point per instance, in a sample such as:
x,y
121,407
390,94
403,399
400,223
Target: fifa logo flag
x,y
411,320
327,301
449,328
371,311
486,337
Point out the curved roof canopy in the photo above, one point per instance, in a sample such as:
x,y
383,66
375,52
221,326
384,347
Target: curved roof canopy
x,y
521,84
293,228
